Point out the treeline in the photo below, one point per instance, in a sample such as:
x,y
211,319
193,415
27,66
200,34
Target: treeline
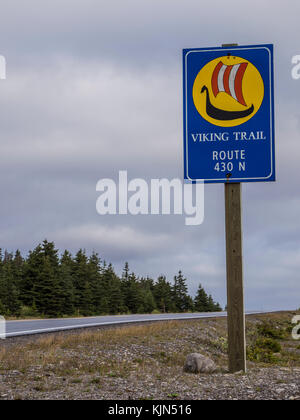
x,y
53,285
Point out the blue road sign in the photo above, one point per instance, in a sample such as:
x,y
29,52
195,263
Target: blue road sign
x,y
229,114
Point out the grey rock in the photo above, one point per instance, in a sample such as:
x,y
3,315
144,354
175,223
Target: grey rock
x,y
196,363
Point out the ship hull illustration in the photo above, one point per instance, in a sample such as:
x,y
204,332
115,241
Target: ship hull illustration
x,y
221,114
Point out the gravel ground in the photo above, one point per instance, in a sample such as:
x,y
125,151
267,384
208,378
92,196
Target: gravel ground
x,y
145,362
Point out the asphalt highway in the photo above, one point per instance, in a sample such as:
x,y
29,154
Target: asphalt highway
x,y
29,327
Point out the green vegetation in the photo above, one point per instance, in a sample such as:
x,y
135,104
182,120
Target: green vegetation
x,y
265,346
47,284
269,344
205,303
269,330
256,353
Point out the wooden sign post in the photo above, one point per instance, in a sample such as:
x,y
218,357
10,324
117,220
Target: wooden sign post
x,y
235,280
235,284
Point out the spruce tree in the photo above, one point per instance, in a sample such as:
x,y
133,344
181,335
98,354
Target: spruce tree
x,y
148,301
18,269
86,306
125,274
201,303
98,289
32,267
66,284
213,306
125,285
147,283
116,303
163,294
47,290
2,309
132,294
49,251
83,293
114,292
205,303
9,293
180,294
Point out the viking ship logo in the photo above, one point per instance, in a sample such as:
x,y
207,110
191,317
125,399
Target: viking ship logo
x,y
228,91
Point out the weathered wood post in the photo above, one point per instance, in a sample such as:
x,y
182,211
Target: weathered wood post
x,y
235,284
235,280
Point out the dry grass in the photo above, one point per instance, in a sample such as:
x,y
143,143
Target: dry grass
x,y
103,338
52,352
122,361
145,349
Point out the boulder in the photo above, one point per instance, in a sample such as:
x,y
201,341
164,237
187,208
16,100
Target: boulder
x,y
196,363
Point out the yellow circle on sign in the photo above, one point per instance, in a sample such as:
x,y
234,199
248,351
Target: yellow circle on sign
x,y
228,91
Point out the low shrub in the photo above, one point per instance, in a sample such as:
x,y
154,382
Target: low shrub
x,y
267,329
268,344
263,349
258,354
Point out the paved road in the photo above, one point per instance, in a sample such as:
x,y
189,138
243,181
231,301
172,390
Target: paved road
x,y
19,328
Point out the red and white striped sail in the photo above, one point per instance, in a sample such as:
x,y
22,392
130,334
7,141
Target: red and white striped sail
x,y
229,79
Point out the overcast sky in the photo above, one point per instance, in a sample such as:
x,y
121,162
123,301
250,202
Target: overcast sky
x,y
94,87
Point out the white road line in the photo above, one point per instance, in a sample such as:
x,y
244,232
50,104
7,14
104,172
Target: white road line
x,y
74,327
98,324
